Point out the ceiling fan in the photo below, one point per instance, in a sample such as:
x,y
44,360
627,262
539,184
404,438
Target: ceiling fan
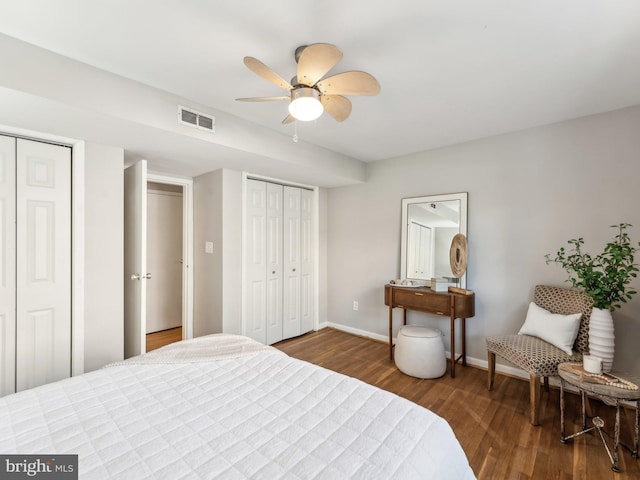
x,y
309,93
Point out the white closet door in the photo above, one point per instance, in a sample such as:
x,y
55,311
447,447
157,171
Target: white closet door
x,y
291,265
256,261
307,248
426,253
7,265
413,250
43,261
274,214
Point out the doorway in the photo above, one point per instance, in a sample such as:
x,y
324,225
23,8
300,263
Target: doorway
x,y
164,262
158,258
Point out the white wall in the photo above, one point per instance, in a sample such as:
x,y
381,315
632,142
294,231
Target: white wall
x,y
207,226
232,200
217,217
323,236
529,192
104,254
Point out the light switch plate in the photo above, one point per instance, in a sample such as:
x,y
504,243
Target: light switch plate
x,y
208,247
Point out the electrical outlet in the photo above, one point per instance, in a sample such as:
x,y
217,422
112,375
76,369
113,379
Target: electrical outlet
x,y
355,305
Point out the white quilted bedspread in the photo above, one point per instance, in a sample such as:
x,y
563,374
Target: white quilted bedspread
x,y
258,414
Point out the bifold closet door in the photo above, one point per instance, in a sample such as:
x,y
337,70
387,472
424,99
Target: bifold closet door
x,y
297,262
7,265
43,263
307,266
263,250
274,198
279,261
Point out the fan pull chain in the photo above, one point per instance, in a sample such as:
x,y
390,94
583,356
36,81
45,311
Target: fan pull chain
x,y
295,131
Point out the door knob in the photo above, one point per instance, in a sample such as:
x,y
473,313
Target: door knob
x,y
137,276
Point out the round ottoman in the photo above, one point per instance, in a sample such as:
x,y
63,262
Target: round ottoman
x,y
420,352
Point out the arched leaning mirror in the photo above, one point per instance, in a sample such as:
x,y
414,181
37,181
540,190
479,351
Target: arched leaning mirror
x,y
428,227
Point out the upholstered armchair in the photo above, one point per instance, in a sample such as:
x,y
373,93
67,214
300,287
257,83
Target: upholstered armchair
x,y
536,356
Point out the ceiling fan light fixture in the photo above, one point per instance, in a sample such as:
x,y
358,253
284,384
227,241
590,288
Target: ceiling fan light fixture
x,y
305,104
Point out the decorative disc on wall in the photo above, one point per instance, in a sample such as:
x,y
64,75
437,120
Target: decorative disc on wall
x,y
458,255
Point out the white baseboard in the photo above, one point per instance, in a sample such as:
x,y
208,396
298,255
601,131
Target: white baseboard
x,y
475,362
356,331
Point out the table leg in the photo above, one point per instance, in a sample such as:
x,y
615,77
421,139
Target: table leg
x,y
616,443
562,437
453,346
464,341
390,332
637,428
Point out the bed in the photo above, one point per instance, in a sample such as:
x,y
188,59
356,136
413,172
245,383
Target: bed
x,y
225,406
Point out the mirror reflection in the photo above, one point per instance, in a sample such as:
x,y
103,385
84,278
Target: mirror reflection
x,y
428,227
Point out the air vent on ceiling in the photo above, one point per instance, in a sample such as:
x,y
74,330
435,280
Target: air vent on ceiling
x,y
188,116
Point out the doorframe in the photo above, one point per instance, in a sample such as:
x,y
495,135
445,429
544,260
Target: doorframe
x,y
187,246
315,234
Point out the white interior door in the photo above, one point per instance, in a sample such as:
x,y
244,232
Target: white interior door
x,y
274,262
135,258
291,262
7,265
307,261
426,252
280,249
256,261
43,263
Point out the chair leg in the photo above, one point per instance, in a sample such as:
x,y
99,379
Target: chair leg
x,y
491,370
546,384
534,393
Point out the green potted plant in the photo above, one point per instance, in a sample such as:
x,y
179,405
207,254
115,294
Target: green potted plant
x,y
606,278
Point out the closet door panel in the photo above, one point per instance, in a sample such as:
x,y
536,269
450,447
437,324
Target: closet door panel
x,y
7,265
307,249
274,212
291,245
43,263
256,262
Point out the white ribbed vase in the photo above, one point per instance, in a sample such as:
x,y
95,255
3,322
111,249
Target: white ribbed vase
x,y
601,338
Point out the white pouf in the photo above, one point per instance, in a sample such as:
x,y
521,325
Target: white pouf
x,y
420,352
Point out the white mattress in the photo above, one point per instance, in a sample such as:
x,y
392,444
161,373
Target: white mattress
x,y
245,412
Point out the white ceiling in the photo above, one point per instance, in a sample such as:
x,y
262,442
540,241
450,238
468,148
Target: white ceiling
x,y
450,71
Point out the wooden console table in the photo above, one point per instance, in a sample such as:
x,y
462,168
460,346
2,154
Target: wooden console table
x,y
423,299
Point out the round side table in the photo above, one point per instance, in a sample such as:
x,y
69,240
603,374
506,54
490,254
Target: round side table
x,y
611,395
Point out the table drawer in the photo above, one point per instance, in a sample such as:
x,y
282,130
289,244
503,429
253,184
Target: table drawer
x,y
417,300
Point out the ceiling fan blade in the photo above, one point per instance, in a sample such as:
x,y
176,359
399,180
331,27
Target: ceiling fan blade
x,y
262,99
337,106
349,83
259,68
289,119
315,61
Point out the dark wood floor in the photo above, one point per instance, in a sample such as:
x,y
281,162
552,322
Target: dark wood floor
x,y
162,338
492,427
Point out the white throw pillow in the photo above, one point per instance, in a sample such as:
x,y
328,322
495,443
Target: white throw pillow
x,y
558,330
